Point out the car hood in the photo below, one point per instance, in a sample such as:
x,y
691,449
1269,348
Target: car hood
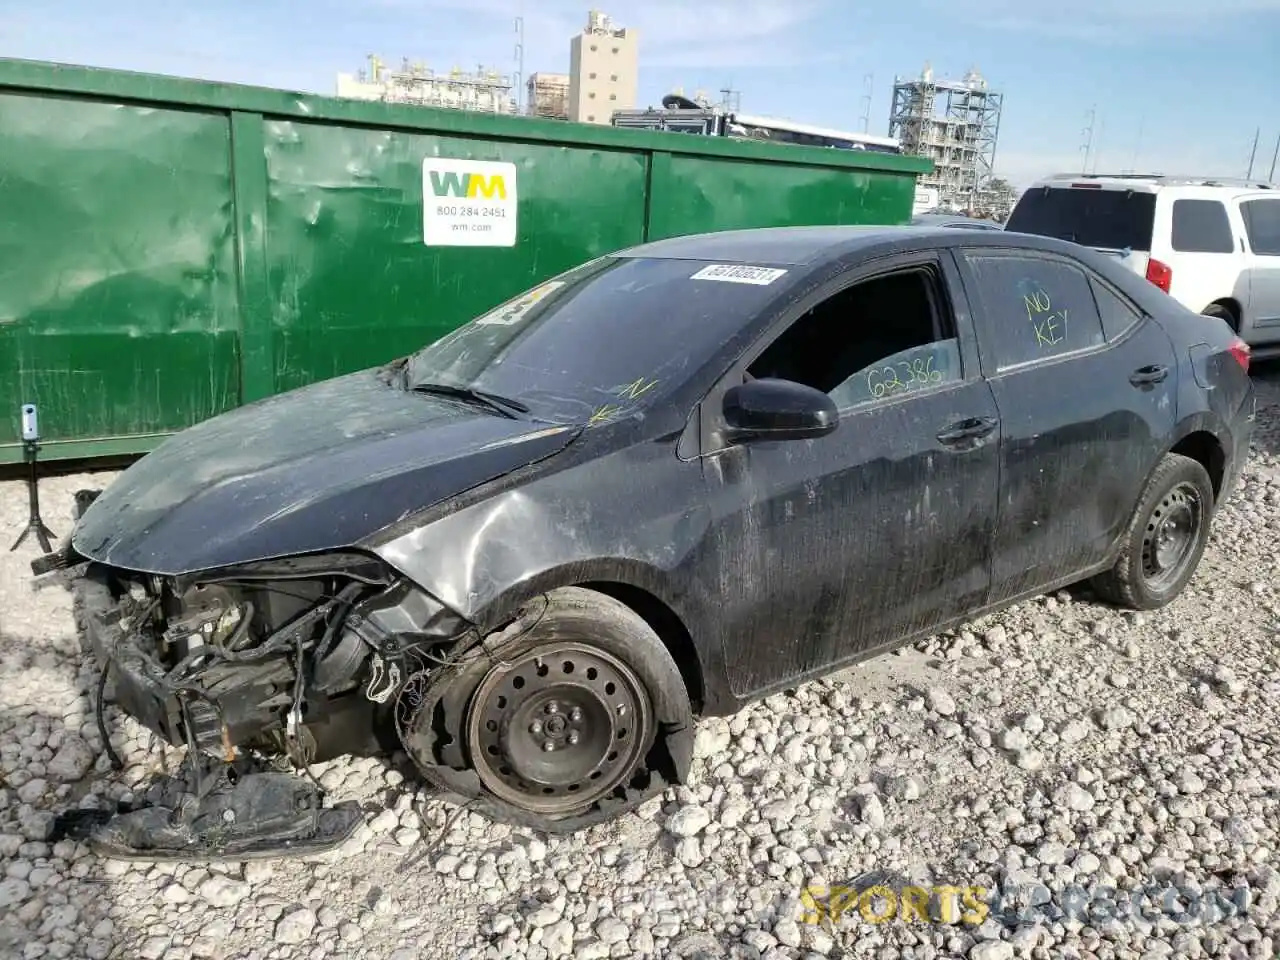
x,y
317,468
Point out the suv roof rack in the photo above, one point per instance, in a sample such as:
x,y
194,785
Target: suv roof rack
x,y
1107,176
1167,179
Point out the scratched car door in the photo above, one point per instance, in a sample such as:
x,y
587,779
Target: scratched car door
x,y
829,548
1084,405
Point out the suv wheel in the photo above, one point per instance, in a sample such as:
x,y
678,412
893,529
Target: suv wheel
x,y
1223,313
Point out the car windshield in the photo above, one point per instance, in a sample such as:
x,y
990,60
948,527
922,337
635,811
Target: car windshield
x,y
1110,219
601,341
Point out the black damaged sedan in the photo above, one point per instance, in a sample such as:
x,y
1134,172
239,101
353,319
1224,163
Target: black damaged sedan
x,y
669,481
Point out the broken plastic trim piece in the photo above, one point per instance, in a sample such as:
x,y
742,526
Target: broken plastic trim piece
x,y
253,816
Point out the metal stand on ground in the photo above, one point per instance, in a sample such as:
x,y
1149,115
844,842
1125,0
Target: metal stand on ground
x,y
30,449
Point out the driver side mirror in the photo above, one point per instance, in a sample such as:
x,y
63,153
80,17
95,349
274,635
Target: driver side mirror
x,y
778,410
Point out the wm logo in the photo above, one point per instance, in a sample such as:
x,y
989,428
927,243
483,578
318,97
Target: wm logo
x,y
468,185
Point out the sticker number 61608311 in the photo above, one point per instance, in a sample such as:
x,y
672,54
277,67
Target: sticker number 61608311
x,y
739,273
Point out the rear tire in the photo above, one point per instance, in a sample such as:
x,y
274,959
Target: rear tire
x,y
1166,537
1222,313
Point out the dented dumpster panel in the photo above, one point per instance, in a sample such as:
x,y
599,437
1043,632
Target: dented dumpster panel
x,y
698,194
118,301
346,250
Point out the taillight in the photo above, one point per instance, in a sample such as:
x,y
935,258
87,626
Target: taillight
x,y
1161,274
1240,350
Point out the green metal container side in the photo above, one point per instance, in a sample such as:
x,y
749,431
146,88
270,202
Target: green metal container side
x,y
174,248
345,250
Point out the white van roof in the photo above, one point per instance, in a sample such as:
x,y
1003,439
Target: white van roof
x,y
1148,182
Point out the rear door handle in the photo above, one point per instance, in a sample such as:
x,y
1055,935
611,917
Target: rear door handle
x,y
1144,376
971,428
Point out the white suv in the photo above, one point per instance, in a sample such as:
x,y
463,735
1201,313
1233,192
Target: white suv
x,y
1213,245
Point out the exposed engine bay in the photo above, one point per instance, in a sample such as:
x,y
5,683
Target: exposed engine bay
x,y
301,659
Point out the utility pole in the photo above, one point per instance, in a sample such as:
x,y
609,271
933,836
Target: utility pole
x,y
1087,133
519,78
1274,153
869,81
1253,153
1137,145
1097,149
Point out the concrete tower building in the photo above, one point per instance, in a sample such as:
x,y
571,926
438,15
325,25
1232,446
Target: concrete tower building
x,y
604,70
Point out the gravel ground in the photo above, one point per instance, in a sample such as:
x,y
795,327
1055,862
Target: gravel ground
x,y
1059,743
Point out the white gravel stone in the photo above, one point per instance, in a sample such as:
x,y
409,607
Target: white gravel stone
x,y
295,926
992,950
72,761
871,811
940,701
1073,797
222,892
1073,731
688,821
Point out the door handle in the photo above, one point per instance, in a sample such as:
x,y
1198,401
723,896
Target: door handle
x,y
1153,373
971,428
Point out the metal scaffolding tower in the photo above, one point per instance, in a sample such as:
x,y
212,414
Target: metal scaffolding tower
x,y
955,124
416,83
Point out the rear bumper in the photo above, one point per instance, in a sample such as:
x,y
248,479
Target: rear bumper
x,y
1241,435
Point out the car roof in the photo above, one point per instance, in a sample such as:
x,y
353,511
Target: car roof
x,y
812,246
790,246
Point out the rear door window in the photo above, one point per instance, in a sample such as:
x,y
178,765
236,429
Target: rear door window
x,y
1262,223
1201,226
1035,308
1111,219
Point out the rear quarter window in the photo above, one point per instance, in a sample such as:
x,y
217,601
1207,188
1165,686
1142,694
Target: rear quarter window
x,y
1118,315
1035,308
1201,226
1262,223
1112,219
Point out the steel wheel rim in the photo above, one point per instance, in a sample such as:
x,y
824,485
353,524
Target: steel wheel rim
x,y
588,705
1171,534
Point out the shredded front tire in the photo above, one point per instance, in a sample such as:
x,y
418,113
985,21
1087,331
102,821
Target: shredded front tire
x,y
572,716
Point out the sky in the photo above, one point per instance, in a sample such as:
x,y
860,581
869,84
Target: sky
x,y
1174,86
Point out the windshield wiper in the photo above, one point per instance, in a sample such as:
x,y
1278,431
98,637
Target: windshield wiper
x,y
494,401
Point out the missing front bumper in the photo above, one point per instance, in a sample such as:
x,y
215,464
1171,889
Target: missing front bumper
x,y
251,816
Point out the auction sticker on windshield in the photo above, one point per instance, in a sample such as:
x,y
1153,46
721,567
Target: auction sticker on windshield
x,y
739,273
468,203
511,313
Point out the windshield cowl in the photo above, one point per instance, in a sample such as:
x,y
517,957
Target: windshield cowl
x,y
506,406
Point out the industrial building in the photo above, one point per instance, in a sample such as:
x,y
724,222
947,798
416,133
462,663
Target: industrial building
x,y
548,95
483,90
604,70
954,123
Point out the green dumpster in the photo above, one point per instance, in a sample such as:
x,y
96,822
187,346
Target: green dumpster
x,y
171,248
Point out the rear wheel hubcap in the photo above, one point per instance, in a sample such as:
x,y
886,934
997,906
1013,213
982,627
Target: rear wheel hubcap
x,y
558,727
